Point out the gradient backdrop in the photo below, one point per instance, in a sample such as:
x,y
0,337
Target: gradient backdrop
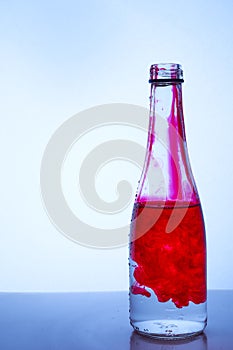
x,y
61,57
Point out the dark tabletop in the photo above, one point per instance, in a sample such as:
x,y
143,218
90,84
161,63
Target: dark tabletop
x,y
97,321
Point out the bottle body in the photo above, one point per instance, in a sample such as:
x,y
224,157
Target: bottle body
x,y
168,272
167,238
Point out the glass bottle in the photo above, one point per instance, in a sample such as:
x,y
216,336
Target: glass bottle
x,y
167,238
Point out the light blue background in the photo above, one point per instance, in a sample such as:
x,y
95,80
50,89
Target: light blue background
x,y
60,57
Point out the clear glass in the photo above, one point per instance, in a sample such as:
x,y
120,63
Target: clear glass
x,y
167,239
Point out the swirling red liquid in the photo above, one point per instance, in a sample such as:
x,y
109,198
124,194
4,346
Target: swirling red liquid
x,y
170,256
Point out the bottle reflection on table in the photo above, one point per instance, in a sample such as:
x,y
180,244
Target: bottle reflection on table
x,y
139,342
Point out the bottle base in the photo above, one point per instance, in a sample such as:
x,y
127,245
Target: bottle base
x,y
169,329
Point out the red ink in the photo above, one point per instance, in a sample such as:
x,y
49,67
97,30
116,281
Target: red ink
x,y
137,289
172,264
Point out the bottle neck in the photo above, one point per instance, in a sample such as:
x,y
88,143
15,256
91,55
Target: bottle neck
x,y
166,104
167,173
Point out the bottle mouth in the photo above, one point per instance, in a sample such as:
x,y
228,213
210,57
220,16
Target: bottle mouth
x,y
166,73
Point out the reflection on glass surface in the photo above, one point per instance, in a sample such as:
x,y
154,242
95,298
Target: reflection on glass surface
x,y
138,342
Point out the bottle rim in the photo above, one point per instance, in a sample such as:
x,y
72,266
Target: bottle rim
x,y
166,72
